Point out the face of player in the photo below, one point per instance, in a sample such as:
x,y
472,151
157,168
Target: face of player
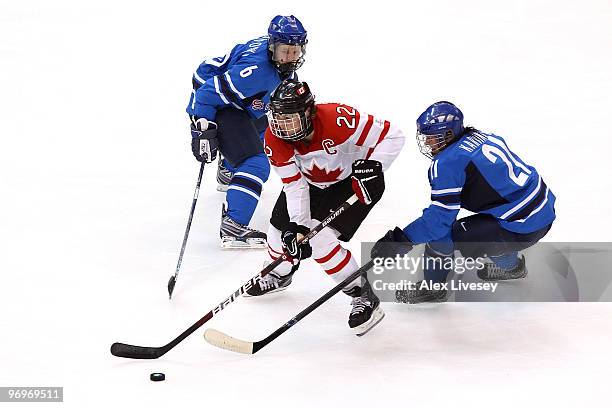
x,y
284,53
288,123
289,126
430,145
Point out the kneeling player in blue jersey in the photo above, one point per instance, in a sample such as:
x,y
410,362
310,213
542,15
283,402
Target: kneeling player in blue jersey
x,y
227,112
476,171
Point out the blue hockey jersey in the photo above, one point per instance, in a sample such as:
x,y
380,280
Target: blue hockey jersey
x,y
480,173
243,79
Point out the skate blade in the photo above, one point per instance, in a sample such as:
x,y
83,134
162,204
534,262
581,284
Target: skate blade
x,y
429,299
403,297
246,294
249,243
377,316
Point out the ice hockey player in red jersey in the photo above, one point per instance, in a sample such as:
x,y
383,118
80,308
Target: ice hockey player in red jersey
x,y
324,153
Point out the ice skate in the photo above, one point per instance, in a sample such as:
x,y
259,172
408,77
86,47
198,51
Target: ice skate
x,y
366,312
224,176
238,236
492,272
270,283
421,295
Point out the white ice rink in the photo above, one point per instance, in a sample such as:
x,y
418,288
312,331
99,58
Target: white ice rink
x,y
96,179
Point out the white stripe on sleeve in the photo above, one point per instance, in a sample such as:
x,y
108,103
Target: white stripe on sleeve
x,y
231,84
446,191
448,207
223,98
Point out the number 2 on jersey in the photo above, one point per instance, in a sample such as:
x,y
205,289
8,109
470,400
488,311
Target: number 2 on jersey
x,y
492,153
350,121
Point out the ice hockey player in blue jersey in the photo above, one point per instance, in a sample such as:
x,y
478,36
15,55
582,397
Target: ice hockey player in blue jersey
x,y
477,171
227,112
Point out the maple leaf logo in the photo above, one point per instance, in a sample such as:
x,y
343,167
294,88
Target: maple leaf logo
x,y
319,175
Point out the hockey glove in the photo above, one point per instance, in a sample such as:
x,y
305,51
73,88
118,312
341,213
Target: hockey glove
x,y
395,242
368,181
204,143
290,238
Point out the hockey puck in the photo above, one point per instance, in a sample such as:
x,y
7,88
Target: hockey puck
x,y
157,377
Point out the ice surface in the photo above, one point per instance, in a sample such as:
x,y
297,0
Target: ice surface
x,y
97,178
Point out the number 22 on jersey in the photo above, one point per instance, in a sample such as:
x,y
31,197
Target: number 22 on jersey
x,y
348,120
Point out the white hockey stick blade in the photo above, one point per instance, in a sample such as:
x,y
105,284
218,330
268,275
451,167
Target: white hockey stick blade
x,y
222,340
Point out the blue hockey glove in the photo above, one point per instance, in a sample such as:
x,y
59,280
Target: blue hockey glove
x,y
204,143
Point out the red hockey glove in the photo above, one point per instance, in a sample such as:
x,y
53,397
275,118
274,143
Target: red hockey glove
x,y
368,181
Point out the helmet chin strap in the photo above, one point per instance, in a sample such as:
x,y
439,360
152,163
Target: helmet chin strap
x,y
288,67
308,138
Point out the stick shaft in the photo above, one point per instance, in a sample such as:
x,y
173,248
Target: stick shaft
x,y
262,343
138,352
187,229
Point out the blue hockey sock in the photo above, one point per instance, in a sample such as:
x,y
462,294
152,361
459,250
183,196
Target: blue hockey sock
x,y
506,261
241,205
245,188
439,260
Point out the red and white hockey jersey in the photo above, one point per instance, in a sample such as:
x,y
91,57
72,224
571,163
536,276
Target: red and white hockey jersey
x,y
341,135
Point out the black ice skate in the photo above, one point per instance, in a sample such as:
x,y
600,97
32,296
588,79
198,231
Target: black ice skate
x,y
491,272
421,295
224,176
238,236
269,284
366,312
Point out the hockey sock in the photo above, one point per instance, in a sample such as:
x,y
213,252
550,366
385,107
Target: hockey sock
x,y
507,261
275,250
438,262
245,188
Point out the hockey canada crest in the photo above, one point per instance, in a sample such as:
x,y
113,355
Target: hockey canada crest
x,y
319,175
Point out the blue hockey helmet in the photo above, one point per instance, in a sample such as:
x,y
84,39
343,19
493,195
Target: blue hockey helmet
x,y
438,126
287,43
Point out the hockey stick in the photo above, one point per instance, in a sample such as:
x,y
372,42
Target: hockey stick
x,y
174,277
222,340
140,352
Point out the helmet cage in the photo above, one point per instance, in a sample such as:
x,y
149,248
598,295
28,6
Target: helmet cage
x,y
290,126
430,145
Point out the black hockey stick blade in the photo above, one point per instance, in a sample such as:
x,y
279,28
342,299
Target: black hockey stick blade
x,y
226,342
137,352
171,283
